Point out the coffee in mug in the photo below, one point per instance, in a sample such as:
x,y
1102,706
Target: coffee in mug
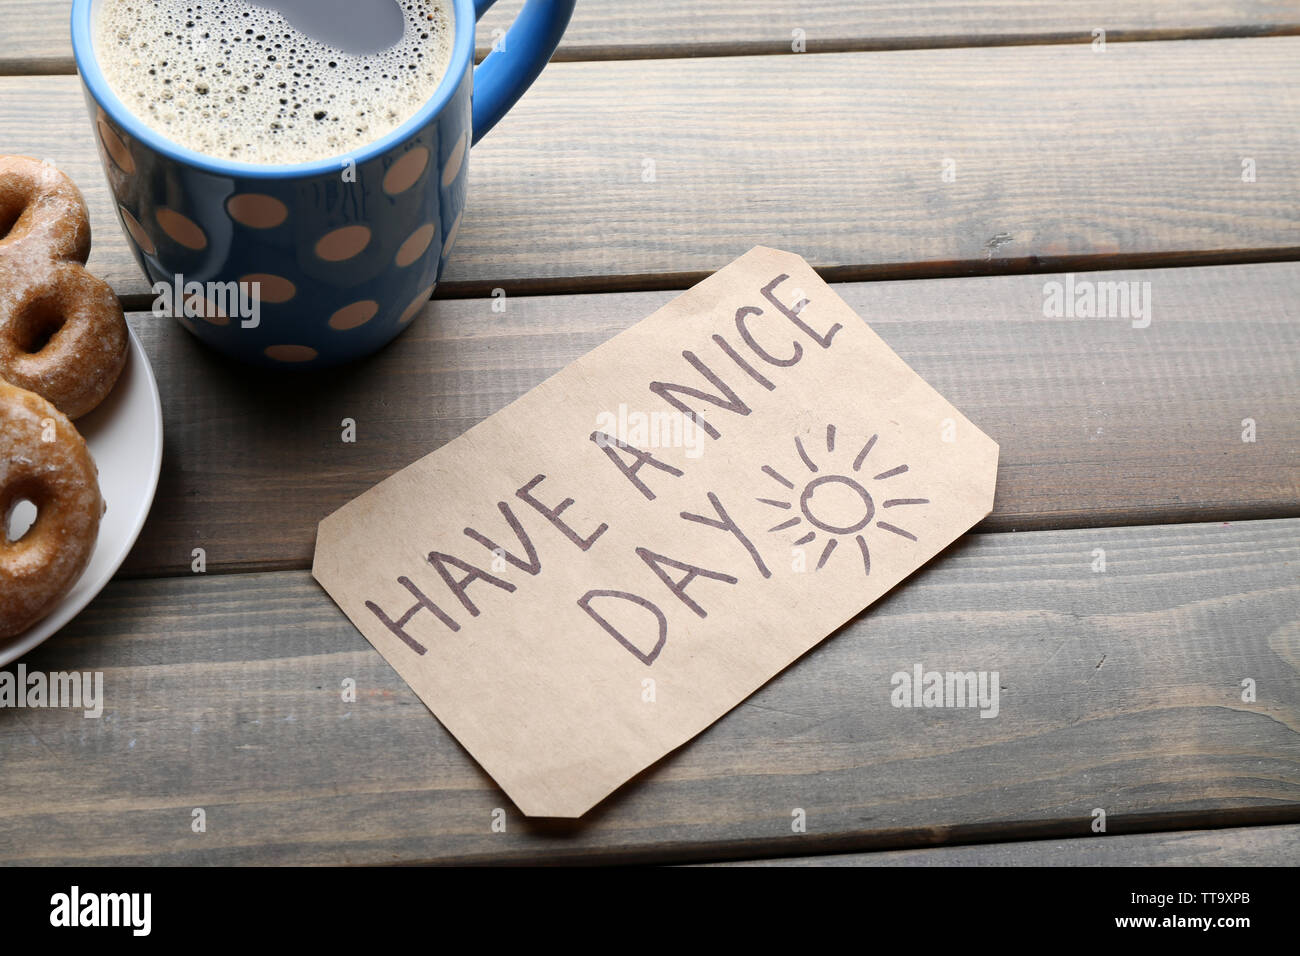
x,y
308,158
274,81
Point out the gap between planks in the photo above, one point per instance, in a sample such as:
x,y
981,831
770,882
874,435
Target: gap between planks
x,y
609,29
680,281
1261,844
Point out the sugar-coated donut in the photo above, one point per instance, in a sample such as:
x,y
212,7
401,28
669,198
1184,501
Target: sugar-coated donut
x,y
62,332
44,460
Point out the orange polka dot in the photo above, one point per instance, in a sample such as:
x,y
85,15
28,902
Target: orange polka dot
x,y
343,243
415,245
351,316
406,172
181,228
257,211
454,162
416,305
451,234
214,313
273,289
290,353
116,149
136,232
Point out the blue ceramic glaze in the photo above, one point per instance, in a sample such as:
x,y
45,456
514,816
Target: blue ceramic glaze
x,y
345,250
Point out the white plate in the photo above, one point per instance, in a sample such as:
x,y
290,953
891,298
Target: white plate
x,y
124,435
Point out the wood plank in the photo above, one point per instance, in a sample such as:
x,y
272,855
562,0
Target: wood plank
x,y
1064,159
37,30
612,29
37,36
1231,846
1099,422
1118,690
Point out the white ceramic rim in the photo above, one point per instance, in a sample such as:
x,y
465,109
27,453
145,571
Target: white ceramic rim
x,y
70,607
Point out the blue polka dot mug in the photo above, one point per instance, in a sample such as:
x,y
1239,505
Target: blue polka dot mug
x,y
338,255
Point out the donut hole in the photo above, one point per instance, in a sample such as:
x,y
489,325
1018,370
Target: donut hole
x,y
22,505
37,324
19,520
10,213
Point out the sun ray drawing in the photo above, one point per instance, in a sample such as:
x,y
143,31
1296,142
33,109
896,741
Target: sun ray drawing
x,y
834,506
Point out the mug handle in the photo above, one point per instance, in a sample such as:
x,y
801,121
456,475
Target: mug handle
x,y
505,74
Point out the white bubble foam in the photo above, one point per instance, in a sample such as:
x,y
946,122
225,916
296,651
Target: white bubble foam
x,y
237,81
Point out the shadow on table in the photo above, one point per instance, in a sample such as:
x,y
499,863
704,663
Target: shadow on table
x,y
253,458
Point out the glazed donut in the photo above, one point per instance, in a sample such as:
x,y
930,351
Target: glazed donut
x,y
62,332
42,460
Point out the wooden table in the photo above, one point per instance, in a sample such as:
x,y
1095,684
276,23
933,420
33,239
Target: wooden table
x,y
940,162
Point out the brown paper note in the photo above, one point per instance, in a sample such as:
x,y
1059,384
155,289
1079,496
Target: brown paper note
x,y
589,578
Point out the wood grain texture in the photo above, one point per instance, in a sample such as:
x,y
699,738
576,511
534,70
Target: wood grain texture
x,y
611,29
35,36
1118,690
1231,846
1098,422
1064,158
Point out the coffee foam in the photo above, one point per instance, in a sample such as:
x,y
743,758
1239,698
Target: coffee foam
x,y
237,81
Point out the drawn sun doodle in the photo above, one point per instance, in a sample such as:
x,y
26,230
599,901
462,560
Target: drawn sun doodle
x,y
839,505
